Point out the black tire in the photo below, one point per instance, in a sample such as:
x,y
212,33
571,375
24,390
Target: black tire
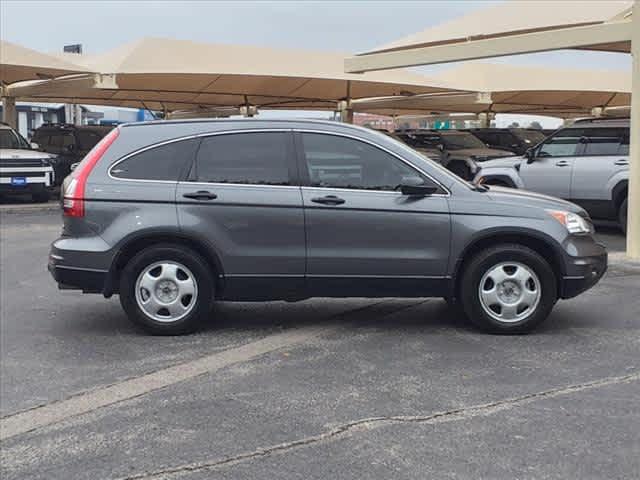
x,y
622,215
485,261
203,277
41,197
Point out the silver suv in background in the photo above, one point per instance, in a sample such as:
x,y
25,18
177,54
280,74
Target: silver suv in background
x,y
175,215
586,163
22,169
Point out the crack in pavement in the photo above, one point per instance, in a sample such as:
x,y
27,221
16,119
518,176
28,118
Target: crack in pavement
x,y
371,423
88,401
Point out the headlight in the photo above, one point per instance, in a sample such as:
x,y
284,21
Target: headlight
x,y
572,221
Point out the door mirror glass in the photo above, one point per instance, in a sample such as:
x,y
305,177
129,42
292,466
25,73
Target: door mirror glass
x,y
418,190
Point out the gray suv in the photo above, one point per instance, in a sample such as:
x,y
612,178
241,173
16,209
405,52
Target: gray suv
x,y
586,163
175,215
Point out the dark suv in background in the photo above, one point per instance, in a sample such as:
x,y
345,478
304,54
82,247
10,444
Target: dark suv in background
x,y
174,215
515,140
457,150
70,143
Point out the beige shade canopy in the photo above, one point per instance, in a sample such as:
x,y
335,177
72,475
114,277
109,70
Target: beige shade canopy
x,y
19,63
176,74
517,17
515,89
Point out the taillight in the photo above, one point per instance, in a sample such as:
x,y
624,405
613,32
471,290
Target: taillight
x,y
73,200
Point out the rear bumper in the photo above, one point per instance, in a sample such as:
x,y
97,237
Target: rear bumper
x,y
586,272
79,269
70,278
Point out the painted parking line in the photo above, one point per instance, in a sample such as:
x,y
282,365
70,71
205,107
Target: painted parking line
x,y
28,420
86,402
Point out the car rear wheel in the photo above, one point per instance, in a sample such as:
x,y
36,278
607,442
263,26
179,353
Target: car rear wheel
x,y
508,289
167,290
622,215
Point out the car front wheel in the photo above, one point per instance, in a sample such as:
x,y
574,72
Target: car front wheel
x,y
622,215
167,290
508,289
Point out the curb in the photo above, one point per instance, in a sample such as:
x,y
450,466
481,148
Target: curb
x,y
22,209
620,262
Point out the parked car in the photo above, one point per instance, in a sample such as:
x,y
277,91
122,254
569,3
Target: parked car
x,y
22,169
514,140
457,150
175,215
69,142
586,163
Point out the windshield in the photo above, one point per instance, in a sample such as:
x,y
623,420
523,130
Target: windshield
x,y
530,137
458,141
11,139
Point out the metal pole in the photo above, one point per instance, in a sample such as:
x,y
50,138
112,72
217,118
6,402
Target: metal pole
x,y
633,220
9,113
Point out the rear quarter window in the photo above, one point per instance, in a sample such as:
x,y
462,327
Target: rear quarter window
x,y
164,162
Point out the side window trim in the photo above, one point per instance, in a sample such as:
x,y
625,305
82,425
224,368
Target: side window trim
x,y
306,181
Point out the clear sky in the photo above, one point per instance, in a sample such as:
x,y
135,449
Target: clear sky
x,y
330,25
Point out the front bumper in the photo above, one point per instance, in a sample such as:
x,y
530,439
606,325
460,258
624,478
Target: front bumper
x,y
586,272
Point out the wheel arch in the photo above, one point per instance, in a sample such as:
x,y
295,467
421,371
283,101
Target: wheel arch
x,y
134,244
539,243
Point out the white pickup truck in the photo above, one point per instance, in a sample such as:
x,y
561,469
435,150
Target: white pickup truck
x,y
23,169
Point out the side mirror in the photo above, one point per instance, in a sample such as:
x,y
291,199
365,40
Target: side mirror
x,y
418,190
529,156
34,146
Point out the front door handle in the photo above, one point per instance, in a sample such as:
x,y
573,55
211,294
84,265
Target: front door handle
x,y
201,195
328,200
562,163
621,162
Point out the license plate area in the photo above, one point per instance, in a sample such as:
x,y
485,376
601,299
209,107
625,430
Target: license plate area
x,y
18,181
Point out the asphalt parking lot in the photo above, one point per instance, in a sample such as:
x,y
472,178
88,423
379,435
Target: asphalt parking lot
x,y
384,388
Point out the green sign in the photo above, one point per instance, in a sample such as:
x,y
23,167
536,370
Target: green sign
x,y
442,125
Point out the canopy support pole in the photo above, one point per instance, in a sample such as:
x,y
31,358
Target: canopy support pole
x,y
9,112
633,220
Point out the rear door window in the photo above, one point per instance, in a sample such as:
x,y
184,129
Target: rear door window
x,y
603,141
260,158
165,162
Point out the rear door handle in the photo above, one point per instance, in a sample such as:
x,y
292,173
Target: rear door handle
x,y
201,195
621,162
562,163
328,200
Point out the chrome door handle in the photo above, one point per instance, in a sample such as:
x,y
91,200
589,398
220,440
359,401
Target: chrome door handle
x,y
328,200
621,162
562,163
